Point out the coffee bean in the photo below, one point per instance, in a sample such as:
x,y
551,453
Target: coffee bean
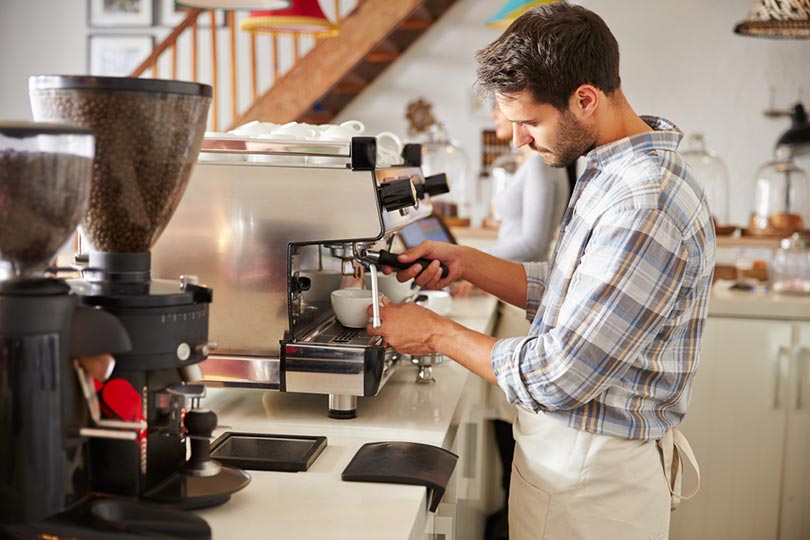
x,y
146,145
43,196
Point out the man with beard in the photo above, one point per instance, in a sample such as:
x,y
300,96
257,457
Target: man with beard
x,y
604,376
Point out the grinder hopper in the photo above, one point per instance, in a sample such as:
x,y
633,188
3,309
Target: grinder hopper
x,y
148,134
44,186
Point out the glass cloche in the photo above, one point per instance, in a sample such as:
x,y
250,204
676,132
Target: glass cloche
x,y
501,173
442,154
711,172
781,199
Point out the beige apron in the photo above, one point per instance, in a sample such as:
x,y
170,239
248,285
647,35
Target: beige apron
x,y
569,484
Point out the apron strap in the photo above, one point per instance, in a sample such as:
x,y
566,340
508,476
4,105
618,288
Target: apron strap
x,y
674,447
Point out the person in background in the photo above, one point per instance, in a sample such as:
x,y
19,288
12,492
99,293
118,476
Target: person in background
x,y
530,208
604,376
532,205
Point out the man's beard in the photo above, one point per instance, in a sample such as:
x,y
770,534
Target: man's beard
x,y
573,140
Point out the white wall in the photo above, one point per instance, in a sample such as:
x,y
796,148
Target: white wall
x,y
680,59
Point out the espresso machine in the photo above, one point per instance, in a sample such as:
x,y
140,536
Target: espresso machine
x,y
148,135
275,226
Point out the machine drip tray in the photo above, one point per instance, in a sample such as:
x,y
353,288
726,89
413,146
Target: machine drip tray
x,y
267,452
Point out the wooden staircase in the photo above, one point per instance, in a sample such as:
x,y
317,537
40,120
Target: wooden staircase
x,y
322,79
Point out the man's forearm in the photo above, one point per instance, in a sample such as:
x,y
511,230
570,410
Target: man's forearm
x,y
504,279
471,349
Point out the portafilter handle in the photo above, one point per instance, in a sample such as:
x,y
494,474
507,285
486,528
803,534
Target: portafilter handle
x,y
390,259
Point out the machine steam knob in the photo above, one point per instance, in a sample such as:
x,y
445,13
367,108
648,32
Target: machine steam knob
x,y
397,193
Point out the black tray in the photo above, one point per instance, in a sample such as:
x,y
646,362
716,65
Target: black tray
x,y
267,452
398,462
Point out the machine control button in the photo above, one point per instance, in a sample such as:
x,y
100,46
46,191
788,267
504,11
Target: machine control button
x,y
183,352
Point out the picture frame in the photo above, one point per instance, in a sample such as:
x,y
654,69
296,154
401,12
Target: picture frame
x,y
120,13
117,55
172,14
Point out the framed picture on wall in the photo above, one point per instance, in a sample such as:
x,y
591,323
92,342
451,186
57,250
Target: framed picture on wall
x,y
117,56
172,14
107,13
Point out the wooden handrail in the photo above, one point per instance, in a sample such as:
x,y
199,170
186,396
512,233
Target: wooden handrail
x,y
371,19
170,40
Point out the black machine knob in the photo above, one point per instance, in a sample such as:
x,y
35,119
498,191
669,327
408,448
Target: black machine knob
x,y
435,184
200,425
397,193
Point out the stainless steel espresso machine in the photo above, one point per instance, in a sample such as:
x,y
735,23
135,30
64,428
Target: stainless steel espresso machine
x,y
275,226
148,135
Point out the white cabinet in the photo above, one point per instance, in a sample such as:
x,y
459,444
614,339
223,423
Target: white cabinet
x,y
795,518
462,512
748,425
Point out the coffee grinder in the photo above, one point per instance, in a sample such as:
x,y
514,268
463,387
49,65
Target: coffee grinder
x,y
45,173
148,134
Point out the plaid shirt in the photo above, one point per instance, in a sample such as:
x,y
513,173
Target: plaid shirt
x,y
618,313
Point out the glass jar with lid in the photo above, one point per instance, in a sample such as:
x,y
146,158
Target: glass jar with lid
x,y
791,266
442,154
712,173
501,173
781,199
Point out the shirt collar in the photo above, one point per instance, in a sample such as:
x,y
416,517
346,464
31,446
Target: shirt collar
x,y
666,136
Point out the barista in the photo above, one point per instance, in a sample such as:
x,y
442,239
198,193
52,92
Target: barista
x,y
603,377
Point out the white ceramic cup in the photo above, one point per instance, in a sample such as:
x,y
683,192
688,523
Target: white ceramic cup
x,y
294,130
389,286
343,132
351,306
254,128
440,302
389,148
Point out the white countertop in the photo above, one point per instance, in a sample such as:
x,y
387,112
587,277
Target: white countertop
x,y
317,503
757,305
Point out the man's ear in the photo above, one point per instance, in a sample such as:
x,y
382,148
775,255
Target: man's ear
x,y
584,101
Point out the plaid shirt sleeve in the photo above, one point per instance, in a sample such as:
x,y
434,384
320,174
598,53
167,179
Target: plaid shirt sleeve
x,y
536,274
620,296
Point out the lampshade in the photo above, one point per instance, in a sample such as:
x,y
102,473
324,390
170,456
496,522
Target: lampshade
x,y
512,10
777,19
302,17
233,5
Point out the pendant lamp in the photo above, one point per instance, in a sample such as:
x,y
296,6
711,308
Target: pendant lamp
x,y
303,17
512,10
777,19
234,5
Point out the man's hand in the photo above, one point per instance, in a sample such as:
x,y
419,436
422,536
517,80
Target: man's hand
x,y
408,328
431,277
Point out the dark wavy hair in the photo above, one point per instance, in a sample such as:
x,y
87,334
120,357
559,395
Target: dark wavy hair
x,y
551,50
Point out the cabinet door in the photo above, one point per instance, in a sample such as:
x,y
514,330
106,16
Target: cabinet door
x,y
736,426
796,492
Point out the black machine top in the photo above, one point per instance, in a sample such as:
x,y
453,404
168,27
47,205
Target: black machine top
x,y
131,84
34,287
153,293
